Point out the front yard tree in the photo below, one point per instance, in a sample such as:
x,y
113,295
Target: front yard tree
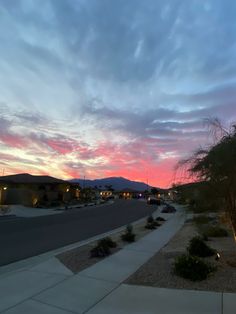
x,y
217,166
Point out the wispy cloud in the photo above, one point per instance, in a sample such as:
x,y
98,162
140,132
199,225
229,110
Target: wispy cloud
x,y
112,87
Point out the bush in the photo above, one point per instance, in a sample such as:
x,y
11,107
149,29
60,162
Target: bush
x,y
160,219
215,231
198,247
101,250
107,242
128,236
150,225
192,267
150,219
168,209
129,228
204,237
202,219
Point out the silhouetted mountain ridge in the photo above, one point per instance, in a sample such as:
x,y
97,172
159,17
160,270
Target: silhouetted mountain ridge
x,y
117,183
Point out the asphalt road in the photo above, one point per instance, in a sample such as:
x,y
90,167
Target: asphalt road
x,y
25,237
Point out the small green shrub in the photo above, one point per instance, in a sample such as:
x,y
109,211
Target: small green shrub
x,y
160,219
150,219
128,236
202,219
198,247
204,237
101,250
107,242
192,267
150,225
129,228
215,231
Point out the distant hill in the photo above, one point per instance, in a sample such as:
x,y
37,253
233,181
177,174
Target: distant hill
x,y
30,179
117,183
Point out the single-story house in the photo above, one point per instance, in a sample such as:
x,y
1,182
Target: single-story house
x,y
31,190
130,193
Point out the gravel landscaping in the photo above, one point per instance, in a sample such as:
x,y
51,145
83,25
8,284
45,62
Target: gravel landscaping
x,y
79,258
158,271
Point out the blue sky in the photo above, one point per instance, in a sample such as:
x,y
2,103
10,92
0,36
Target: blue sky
x,y
112,87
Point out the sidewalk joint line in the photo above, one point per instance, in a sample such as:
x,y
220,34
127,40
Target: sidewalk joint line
x,y
222,305
98,279
55,306
111,291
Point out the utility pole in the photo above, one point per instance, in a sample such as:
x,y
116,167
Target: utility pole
x,y
84,182
147,182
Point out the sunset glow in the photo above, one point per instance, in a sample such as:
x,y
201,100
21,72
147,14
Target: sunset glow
x,y
112,88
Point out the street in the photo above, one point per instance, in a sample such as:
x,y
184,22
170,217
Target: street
x,y
26,237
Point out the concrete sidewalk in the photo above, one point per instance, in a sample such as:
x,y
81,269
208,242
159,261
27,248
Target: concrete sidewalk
x,y
49,287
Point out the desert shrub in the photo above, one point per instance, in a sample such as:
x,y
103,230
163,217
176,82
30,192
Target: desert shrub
x,y
204,237
150,219
202,219
107,242
215,231
150,225
128,236
198,247
160,219
101,250
192,267
129,228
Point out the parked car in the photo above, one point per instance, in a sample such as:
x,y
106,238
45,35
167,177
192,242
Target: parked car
x,y
112,197
153,201
169,209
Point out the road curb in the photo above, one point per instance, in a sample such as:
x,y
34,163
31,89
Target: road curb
x,y
34,260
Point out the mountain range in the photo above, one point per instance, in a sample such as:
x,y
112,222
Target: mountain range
x,y
117,183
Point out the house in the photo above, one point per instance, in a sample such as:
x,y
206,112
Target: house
x,y
31,190
130,193
106,194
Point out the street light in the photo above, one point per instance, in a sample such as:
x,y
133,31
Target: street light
x,y
2,188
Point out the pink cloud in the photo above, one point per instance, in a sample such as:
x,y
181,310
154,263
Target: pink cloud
x,y
60,146
143,157
14,140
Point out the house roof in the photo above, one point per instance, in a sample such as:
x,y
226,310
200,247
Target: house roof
x,y
30,179
130,190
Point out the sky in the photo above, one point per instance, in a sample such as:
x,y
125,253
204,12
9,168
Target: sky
x,y
102,88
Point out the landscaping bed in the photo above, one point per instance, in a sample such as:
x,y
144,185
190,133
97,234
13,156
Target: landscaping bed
x,y
159,270
79,258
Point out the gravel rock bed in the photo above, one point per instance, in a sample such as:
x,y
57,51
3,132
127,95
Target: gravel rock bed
x,y
158,271
79,258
